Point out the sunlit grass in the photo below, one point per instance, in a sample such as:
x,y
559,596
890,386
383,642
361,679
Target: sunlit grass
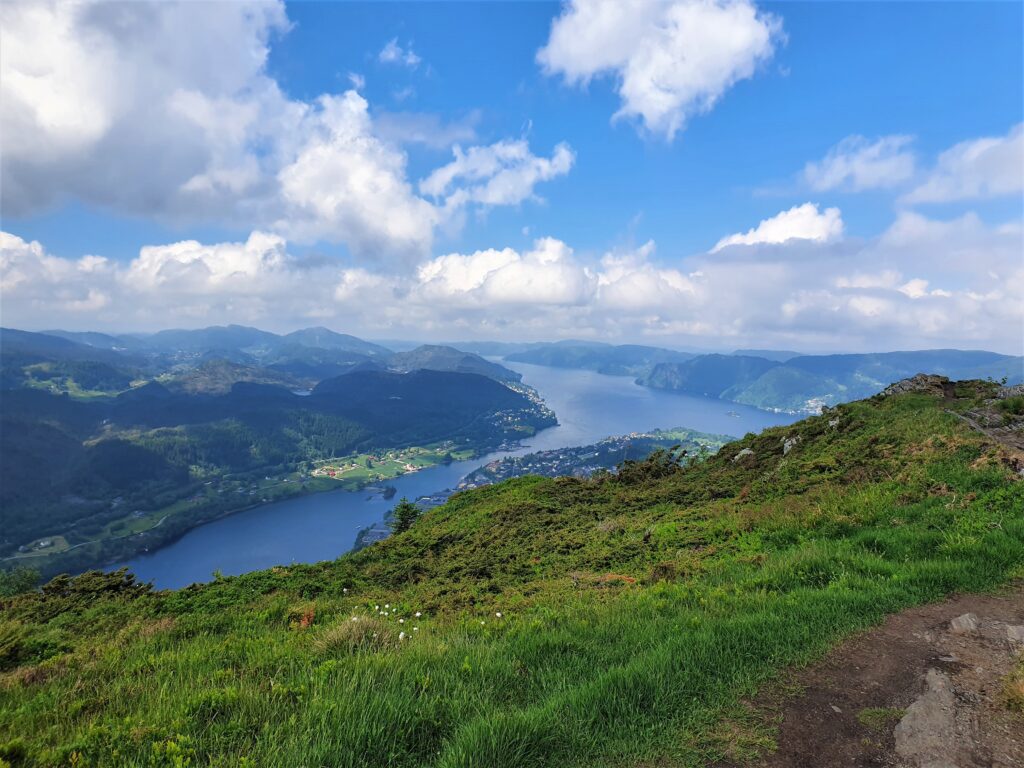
x,y
617,643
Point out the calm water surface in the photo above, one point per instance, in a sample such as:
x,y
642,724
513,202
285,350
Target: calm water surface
x,y
322,526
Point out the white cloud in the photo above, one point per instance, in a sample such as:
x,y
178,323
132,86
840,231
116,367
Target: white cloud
x,y
137,106
192,268
167,110
346,184
545,275
801,222
393,53
671,60
979,168
923,283
857,164
504,173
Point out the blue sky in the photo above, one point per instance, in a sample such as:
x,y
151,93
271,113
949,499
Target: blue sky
x,y
603,226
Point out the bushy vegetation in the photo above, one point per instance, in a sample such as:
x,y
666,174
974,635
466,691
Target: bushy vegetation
x,y
71,467
558,622
1013,406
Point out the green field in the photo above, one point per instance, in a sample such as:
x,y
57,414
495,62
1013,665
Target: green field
x,y
364,468
616,621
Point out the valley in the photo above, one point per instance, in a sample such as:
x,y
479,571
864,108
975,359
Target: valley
x,y
516,623
186,436
576,384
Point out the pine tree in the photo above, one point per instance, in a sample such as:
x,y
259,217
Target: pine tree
x,y
404,515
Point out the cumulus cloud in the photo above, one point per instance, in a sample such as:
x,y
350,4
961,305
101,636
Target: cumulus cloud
x,y
857,164
393,53
186,283
923,283
979,168
492,280
136,105
670,60
504,173
801,222
346,184
167,110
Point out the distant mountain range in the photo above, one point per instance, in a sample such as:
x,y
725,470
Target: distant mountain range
x,y
212,359
625,359
805,383
441,358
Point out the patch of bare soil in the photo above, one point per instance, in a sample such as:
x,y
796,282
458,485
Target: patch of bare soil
x,y
923,690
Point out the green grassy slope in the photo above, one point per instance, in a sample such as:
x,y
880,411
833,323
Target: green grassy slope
x,y
635,611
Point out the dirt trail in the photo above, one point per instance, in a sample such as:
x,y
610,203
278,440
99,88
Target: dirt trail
x,y
923,690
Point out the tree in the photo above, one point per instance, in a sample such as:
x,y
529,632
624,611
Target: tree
x,y
404,515
17,580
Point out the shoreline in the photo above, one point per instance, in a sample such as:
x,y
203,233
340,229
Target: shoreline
x,y
361,485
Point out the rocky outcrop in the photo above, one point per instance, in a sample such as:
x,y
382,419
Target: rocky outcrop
x,y
1017,390
927,383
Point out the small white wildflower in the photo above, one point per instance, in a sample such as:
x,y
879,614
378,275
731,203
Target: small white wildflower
x,y
418,614
376,607
401,621
415,629
401,635
355,618
481,621
498,614
387,605
344,589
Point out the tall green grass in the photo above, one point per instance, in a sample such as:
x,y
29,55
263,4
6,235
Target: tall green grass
x,y
635,613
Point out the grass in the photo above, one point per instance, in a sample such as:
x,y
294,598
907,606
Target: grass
x,y
880,718
58,544
354,470
1012,406
619,643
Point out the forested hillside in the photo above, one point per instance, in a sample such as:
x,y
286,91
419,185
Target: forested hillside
x,y
621,360
805,383
616,620
74,466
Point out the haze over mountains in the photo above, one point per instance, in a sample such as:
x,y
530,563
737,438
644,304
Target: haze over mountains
x,y
97,428
212,359
100,433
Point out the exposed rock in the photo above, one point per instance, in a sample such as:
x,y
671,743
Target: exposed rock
x,y
1017,390
945,688
833,423
922,382
1015,633
926,736
962,625
789,443
745,452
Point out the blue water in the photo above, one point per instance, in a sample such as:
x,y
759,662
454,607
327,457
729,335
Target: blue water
x,y
322,526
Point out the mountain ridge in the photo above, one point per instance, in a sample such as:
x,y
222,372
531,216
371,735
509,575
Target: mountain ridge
x,y
539,621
